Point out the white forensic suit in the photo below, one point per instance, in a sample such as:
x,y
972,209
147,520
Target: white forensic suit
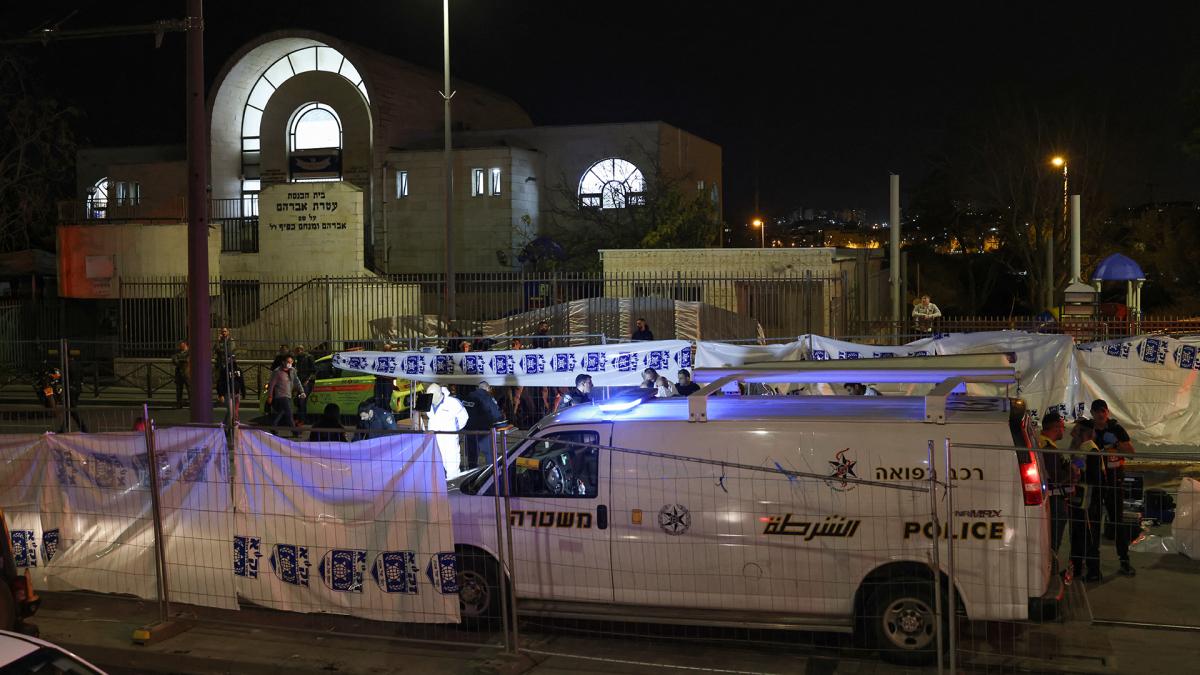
x,y
449,415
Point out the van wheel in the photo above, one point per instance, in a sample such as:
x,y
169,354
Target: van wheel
x,y
8,608
900,621
479,597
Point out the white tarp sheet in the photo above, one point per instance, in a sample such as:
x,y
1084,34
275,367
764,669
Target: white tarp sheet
x,y
1149,383
352,528
80,505
1186,526
616,365
1046,373
722,355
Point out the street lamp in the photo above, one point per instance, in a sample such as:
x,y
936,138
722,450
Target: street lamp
x,y
1058,161
758,222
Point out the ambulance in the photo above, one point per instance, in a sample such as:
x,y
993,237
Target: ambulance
x,y
812,513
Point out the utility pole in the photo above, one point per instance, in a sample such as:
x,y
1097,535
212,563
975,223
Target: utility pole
x,y
199,318
894,245
449,302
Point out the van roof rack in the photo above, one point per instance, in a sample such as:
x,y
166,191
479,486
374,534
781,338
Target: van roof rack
x,y
946,373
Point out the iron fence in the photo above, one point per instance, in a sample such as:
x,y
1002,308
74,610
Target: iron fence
x,y
154,311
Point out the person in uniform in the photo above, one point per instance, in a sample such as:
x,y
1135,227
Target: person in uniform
x,y
580,394
1058,479
1085,502
1112,437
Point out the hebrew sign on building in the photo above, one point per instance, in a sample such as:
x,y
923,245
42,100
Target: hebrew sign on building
x,y
315,228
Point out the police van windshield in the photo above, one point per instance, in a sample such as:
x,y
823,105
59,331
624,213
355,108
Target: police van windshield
x,y
563,464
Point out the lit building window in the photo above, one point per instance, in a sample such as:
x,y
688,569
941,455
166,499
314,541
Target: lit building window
x,y
315,143
494,182
315,127
401,184
612,184
478,188
97,201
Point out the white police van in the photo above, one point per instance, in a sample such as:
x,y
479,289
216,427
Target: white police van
x,y
770,511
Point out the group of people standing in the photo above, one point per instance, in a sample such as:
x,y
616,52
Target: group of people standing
x,y
1086,486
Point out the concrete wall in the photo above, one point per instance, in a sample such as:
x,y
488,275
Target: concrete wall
x,y
483,225
92,257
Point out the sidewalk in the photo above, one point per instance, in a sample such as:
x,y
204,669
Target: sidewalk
x,y
264,642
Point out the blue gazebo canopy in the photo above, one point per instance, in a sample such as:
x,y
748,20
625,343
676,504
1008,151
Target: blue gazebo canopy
x,y
1117,267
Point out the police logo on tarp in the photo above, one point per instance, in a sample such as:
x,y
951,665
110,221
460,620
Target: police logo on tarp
x,y
883,355
562,363
443,365
414,365
442,571
290,563
358,363
396,572
246,552
684,357
920,352
107,470
1185,357
533,364
65,471
385,365
343,570
625,361
848,355
194,466
820,355
1153,350
1119,350
24,548
503,364
49,544
472,364
594,362
658,359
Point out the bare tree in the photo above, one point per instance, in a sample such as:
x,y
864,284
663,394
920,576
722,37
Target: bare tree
x,y
37,159
1014,179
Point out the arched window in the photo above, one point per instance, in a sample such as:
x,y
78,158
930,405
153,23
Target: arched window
x,y
314,143
612,183
97,199
314,58
314,127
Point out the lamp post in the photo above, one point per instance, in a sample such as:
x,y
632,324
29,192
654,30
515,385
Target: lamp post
x,y
449,300
762,228
1058,161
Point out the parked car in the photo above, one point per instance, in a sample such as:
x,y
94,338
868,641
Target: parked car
x,y
24,654
706,528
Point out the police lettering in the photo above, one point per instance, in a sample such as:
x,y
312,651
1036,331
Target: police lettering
x,y
831,526
979,529
564,519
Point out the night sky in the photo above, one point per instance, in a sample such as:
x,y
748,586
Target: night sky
x,y
821,101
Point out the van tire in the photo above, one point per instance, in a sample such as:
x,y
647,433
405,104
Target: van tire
x,y
899,621
479,596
